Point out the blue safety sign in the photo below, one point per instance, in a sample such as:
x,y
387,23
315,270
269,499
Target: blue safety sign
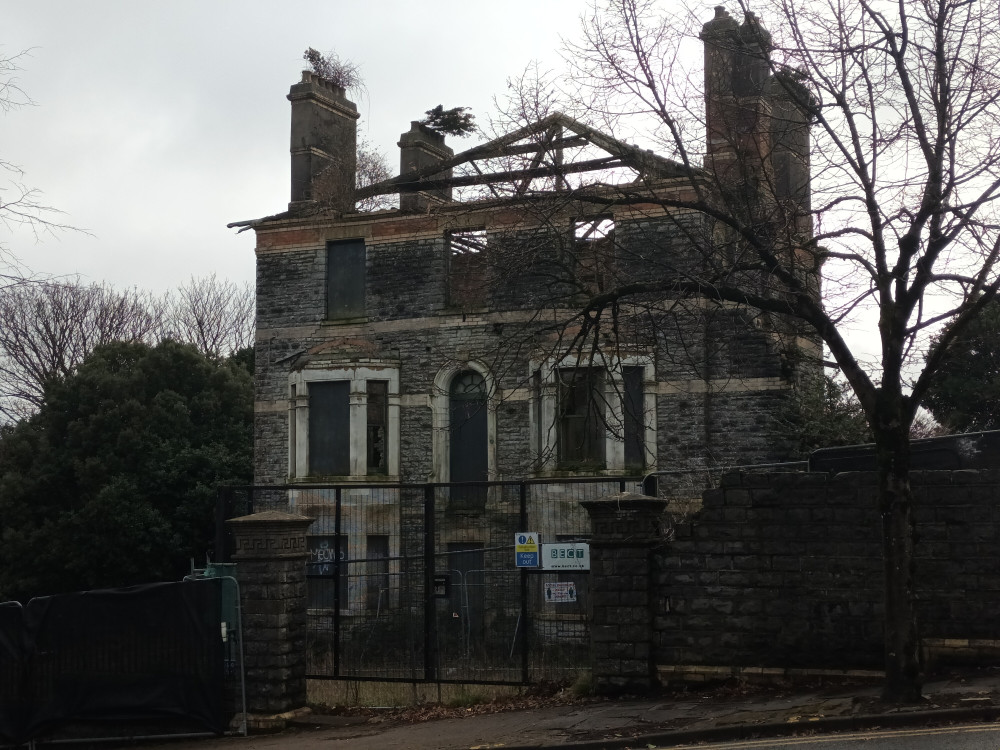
x,y
526,549
526,559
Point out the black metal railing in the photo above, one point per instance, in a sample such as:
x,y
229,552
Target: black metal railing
x,y
417,582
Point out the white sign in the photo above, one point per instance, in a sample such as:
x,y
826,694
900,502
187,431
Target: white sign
x,y
560,592
566,556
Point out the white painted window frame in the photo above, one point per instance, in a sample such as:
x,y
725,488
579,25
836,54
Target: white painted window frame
x,y
358,376
544,406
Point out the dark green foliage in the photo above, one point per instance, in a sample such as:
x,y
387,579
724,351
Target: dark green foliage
x,y
455,121
824,414
964,392
113,481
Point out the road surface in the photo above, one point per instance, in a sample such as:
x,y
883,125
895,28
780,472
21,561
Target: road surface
x,y
967,737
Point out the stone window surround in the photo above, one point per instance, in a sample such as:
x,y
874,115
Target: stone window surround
x,y
358,376
544,406
440,420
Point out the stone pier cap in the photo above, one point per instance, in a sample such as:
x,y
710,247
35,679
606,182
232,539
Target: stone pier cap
x,y
627,516
270,534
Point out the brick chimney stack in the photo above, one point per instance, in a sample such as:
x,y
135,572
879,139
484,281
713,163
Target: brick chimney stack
x,y
737,110
421,147
324,143
757,123
790,146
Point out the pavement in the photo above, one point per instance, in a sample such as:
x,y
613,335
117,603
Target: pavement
x,y
675,718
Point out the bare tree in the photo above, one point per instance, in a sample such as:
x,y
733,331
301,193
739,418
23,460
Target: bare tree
x,y
372,168
863,140
47,328
217,316
20,205
902,100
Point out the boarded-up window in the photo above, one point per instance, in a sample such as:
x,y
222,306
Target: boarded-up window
x,y
466,267
345,279
378,426
468,440
634,423
330,428
581,418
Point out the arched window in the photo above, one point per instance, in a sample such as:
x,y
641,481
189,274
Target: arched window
x,y
467,428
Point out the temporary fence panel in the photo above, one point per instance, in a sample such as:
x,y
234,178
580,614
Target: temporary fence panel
x,y
12,672
142,656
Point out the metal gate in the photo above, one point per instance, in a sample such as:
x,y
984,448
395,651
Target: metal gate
x,y
418,583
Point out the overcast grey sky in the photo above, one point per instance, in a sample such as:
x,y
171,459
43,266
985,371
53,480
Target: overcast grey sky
x,y
156,123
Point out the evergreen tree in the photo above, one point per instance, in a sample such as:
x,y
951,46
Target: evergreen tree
x,y
964,393
113,481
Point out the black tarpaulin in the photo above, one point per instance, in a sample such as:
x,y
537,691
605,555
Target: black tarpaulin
x,y
142,653
12,682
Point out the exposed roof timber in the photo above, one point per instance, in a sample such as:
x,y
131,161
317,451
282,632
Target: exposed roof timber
x,y
536,160
621,154
606,162
645,162
530,148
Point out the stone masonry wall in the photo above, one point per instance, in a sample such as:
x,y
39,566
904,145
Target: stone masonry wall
x,y
410,324
784,570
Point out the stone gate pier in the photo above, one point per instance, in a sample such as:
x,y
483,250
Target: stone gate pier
x,y
270,562
627,528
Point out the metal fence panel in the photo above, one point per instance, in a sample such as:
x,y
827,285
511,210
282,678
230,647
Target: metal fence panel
x,y
418,582
365,579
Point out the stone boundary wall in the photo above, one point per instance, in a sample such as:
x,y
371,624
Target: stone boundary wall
x,y
785,570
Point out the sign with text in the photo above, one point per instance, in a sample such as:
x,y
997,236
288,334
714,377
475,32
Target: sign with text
x,y
561,592
566,556
526,549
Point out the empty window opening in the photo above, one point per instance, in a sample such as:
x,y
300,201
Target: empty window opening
x,y
378,426
594,230
594,249
466,267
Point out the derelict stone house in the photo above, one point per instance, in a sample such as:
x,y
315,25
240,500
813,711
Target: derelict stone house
x,y
442,341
